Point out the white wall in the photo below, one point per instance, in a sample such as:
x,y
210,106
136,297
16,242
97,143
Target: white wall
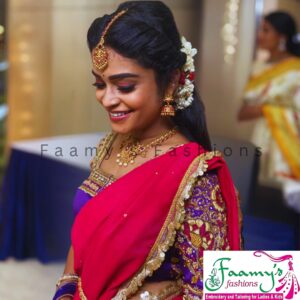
x,y
221,84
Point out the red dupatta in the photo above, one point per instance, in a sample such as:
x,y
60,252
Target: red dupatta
x,y
120,236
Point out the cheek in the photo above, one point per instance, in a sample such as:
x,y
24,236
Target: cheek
x,y
273,39
267,40
143,103
261,38
146,98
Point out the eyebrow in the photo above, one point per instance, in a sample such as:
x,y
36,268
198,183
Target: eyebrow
x,y
118,76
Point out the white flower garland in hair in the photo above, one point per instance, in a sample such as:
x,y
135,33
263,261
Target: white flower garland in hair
x,y
184,93
296,38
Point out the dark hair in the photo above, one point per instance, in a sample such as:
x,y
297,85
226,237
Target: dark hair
x,y
285,24
147,33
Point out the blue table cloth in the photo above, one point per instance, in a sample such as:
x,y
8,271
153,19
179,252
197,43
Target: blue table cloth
x,y
36,206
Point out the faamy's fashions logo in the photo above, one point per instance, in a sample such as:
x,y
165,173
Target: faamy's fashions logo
x,y
251,275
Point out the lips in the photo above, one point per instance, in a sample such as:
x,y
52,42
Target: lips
x,y
119,115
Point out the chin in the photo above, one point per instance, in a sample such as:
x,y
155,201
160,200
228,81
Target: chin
x,y
121,129
264,47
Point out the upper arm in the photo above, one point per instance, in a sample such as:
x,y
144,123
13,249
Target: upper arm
x,y
204,228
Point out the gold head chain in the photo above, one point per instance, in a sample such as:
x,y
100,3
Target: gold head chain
x,y
100,55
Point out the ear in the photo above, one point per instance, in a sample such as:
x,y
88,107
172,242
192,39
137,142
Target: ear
x,y
173,85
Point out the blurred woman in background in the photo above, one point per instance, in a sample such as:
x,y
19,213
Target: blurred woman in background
x,y
272,98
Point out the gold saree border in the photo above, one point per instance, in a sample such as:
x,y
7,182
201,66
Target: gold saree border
x,y
289,64
173,222
284,135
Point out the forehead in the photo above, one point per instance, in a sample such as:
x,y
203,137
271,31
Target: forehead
x,y
267,25
118,64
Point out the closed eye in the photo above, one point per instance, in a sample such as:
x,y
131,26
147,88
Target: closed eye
x,y
126,89
99,86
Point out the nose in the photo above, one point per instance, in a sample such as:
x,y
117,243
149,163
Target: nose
x,y
107,98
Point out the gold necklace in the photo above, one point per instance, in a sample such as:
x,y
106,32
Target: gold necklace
x,y
130,148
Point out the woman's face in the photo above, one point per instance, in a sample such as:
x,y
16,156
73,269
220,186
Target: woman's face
x,y
129,94
268,37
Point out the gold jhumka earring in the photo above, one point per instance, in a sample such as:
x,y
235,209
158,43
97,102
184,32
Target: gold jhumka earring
x,y
99,54
168,108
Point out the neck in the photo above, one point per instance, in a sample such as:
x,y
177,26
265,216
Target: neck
x,y
153,132
276,55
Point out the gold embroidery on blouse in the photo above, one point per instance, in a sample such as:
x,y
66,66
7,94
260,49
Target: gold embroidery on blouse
x,y
102,150
98,178
187,289
240,216
195,239
213,237
173,222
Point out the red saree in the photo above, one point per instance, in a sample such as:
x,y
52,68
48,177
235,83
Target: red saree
x,y
120,236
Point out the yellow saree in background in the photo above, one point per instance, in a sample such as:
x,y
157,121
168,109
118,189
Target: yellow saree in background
x,y
277,87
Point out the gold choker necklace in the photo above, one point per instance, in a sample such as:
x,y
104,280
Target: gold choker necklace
x,y
130,148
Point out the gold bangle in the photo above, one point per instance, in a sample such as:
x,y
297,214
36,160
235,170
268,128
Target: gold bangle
x,y
67,277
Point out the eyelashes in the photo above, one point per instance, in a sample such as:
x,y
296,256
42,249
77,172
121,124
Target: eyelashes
x,y
126,89
122,89
99,86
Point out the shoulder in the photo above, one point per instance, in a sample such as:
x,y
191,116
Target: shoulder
x,y
102,149
205,222
294,59
289,68
206,196
259,66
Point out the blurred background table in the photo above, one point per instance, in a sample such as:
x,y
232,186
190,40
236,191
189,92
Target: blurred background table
x,y
37,193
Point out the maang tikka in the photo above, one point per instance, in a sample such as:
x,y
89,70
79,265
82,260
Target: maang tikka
x,y
99,54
